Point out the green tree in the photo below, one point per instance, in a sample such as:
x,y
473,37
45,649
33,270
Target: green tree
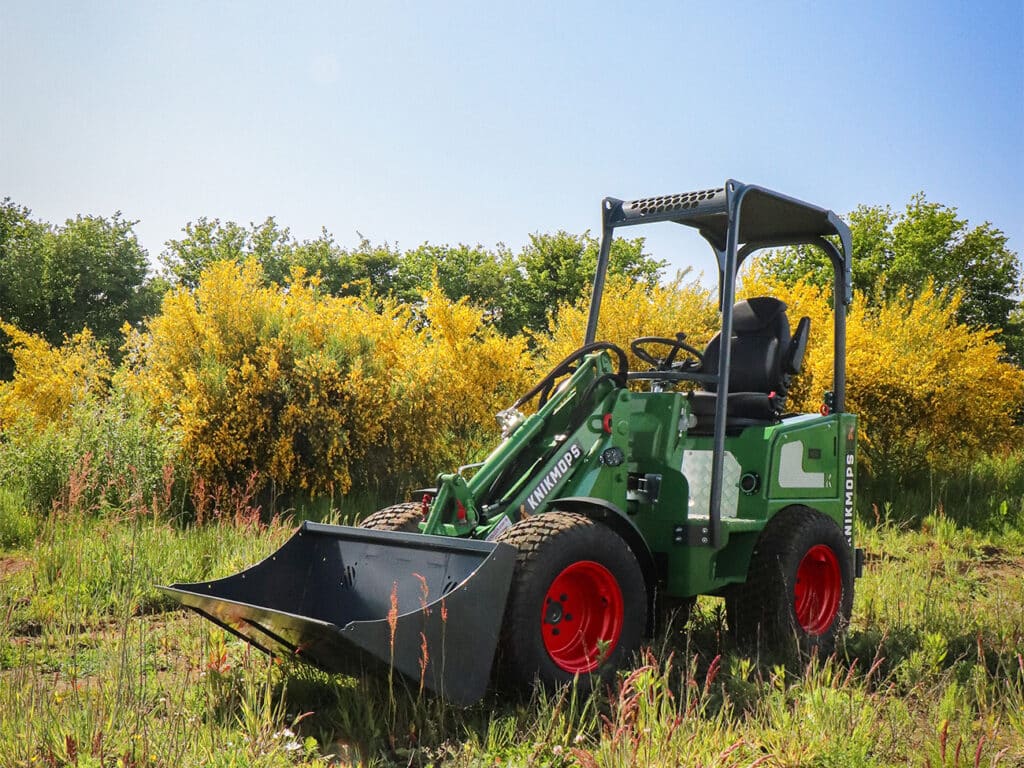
x,y
484,277
516,291
930,240
90,272
207,241
96,277
927,241
22,271
342,272
350,272
558,268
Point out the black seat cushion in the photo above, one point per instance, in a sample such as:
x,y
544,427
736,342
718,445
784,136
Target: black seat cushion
x,y
756,406
797,347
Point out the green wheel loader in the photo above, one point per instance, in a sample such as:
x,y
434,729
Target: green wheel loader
x,y
621,490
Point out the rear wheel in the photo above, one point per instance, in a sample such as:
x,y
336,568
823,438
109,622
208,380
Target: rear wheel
x,y
577,604
398,517
800,585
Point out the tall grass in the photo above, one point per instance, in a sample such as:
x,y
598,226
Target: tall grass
x,y
987,495
103,454
98,669
18,525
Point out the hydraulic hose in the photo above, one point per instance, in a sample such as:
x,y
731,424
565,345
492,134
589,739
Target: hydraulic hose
x,y
565,366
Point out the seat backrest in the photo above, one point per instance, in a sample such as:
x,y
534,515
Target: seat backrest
x,y
761,348
797,347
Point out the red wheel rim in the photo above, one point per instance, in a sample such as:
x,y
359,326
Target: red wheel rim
x,y
818,589
581,619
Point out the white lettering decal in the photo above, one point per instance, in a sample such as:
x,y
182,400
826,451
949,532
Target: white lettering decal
x,y
848,501
550,481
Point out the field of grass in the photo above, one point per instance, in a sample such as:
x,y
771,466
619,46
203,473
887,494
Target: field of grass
x,y
97,669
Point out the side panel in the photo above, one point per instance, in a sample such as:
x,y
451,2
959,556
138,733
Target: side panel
x,y
658,495
813,464
848,452
806,460
643,461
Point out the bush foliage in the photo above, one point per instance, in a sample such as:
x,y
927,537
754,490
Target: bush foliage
x,y
49,380
933,394
630,310
313,392
242,382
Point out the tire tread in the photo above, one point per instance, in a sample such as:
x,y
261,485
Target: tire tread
x,y
760,610
398,517
531,538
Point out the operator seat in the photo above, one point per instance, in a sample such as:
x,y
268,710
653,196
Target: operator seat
x,y
764,360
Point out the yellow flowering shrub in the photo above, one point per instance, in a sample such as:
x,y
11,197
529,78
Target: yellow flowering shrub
x,y
474,372
316,392
320,394
930,392
630,310
49,380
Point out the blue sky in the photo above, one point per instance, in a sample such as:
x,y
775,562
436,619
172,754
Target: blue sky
x,y
479,123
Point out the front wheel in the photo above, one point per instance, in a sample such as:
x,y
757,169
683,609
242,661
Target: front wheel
x,y
404,517
799,585
577,604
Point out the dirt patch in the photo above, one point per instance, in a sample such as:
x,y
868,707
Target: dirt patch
x,y
12,565
1004,570
993,564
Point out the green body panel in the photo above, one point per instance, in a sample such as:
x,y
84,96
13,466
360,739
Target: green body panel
x,y
633,453
814,477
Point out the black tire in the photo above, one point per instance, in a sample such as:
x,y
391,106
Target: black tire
x,y
398,517
593,572
773,608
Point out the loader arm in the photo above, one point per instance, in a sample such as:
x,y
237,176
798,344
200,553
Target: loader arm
x,y
543,448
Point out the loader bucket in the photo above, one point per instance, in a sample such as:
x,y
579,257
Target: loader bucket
x,y
431,607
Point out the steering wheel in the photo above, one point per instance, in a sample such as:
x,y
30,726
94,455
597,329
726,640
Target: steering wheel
x,y
568,366
668,363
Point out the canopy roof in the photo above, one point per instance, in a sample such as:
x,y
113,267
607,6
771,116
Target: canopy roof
x,y
765,217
